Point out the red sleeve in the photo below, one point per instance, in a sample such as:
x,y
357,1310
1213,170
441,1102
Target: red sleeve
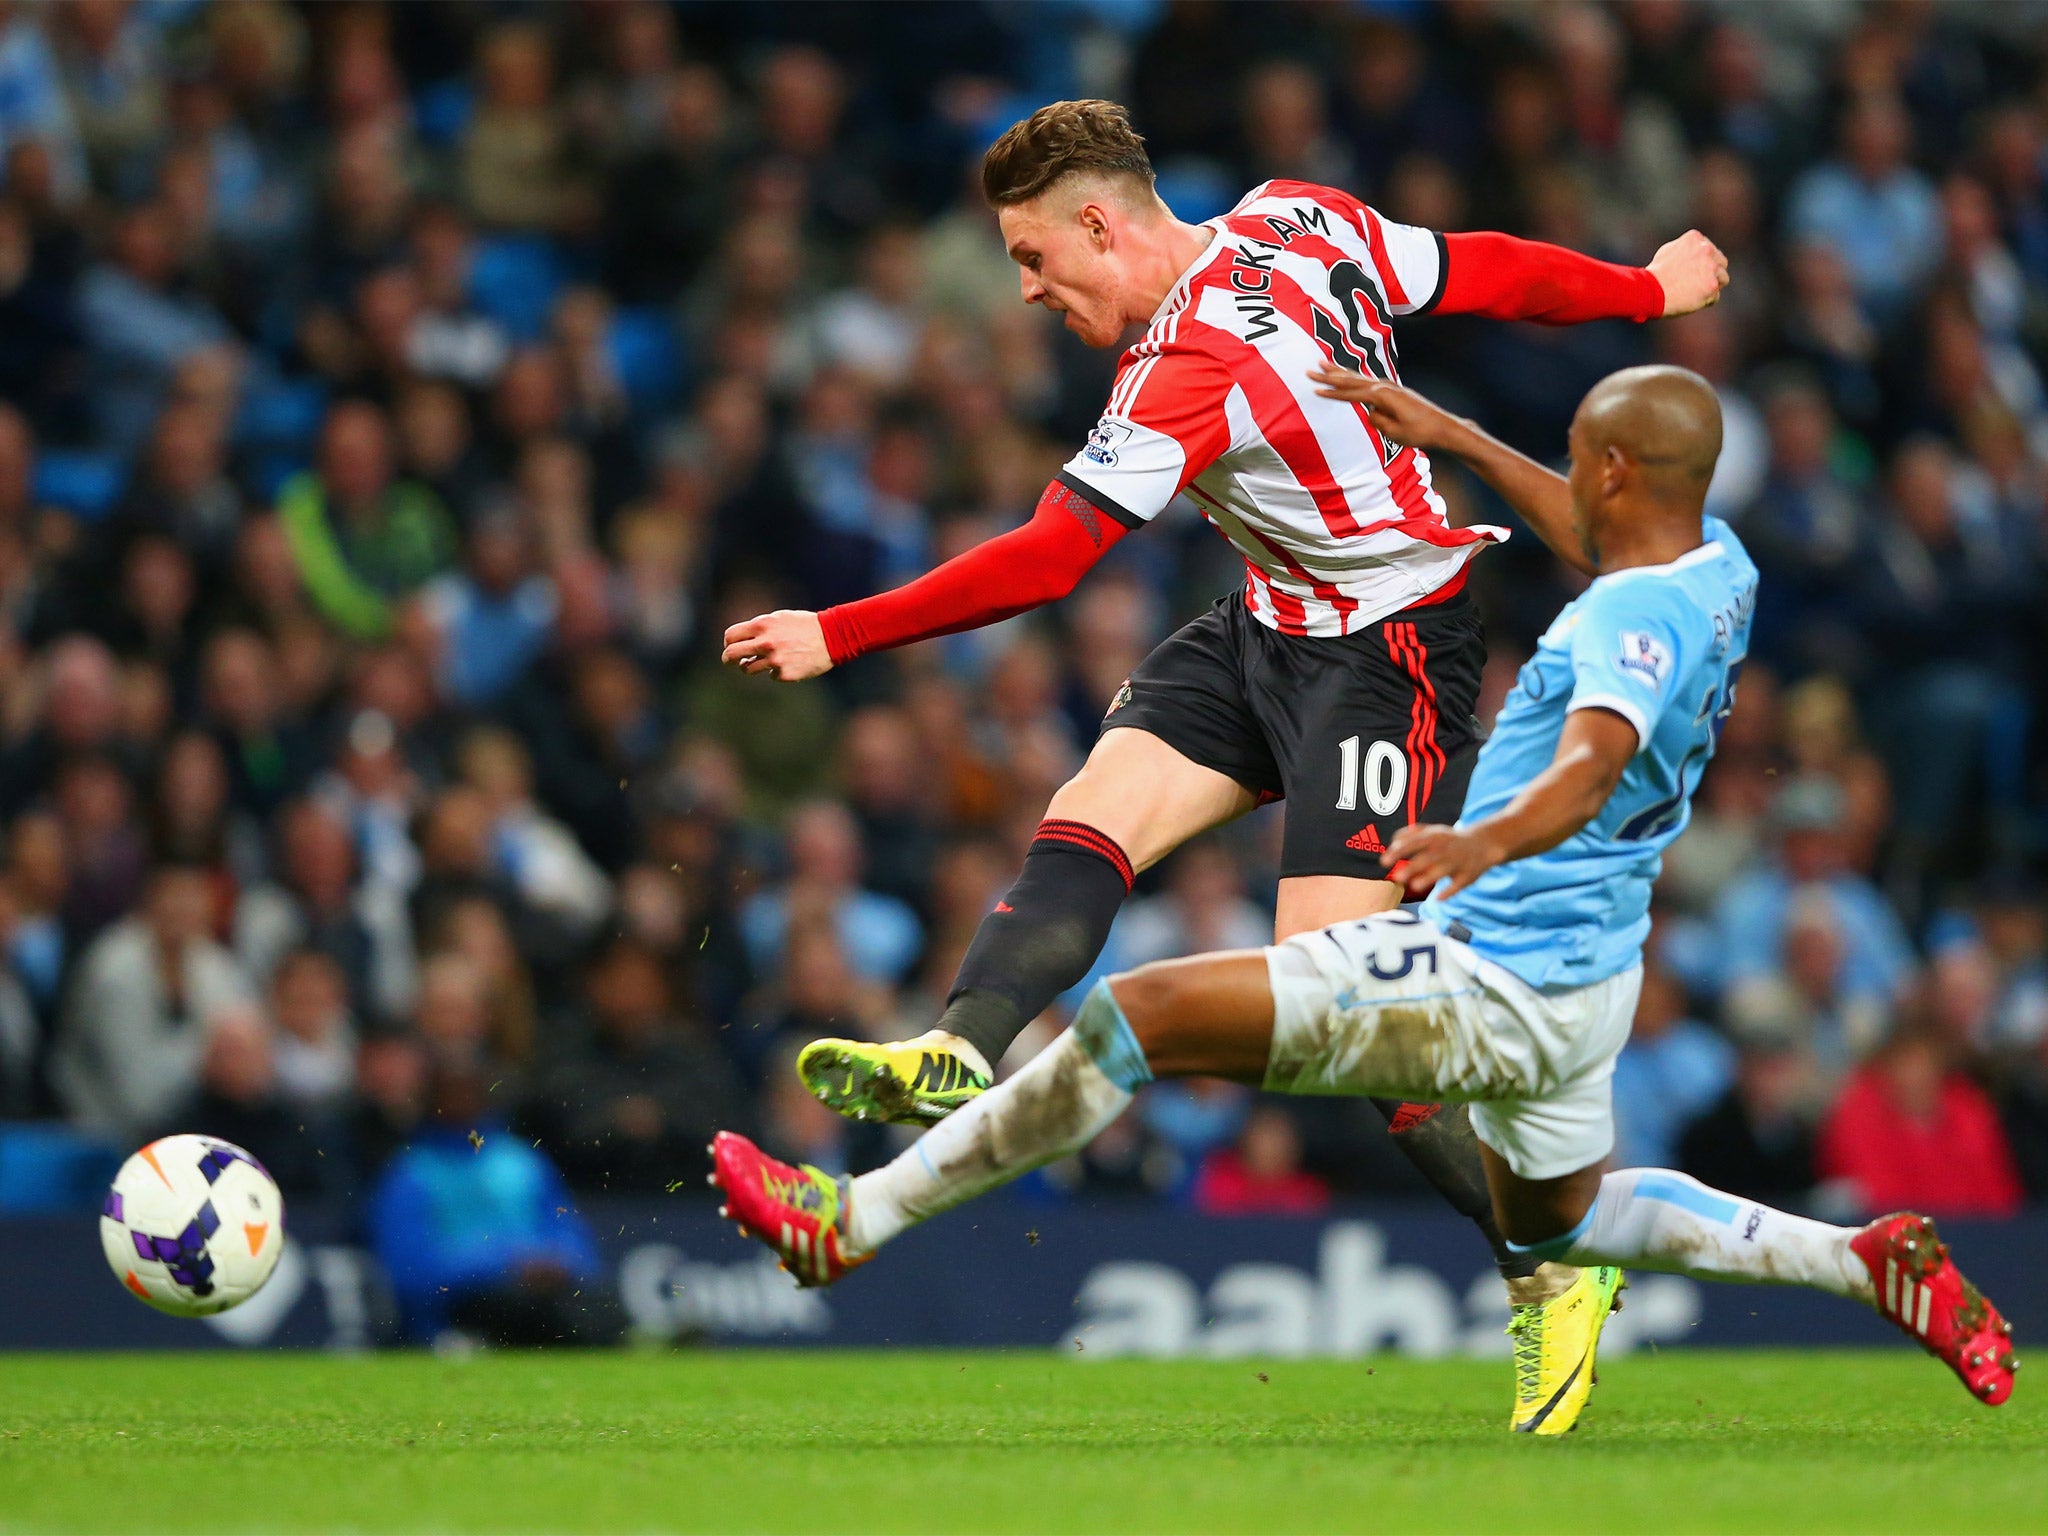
x,y
1502,278
1010,574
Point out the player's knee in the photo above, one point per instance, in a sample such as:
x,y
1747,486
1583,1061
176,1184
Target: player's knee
x,y
1154,1001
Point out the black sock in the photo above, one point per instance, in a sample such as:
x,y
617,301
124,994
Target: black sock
x,y
1042,937
1438,1140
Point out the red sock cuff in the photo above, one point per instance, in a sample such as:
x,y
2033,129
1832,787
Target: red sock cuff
x,y
1079,834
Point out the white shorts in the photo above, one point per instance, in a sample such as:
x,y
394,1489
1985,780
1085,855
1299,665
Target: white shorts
x,y
1395,1007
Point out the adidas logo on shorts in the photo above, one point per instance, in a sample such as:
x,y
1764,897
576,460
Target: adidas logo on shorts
x,y
1366,840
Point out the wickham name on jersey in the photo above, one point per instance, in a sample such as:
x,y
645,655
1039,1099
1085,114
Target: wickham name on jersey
x,y
1251,275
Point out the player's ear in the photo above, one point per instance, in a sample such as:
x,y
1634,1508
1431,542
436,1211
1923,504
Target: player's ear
x,y
1095,225
1614,468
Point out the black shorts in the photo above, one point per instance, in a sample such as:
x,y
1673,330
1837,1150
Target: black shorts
x,y
1361,734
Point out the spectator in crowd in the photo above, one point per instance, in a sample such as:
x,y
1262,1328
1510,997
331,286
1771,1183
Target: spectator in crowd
x,y
530,852
881,936
884,778
813,990
1262,1174
390,1099
479,1234
1203,908
517,168
314,904
449,338
184,492
135,1028
41,344
1809,531
667,202
268,754
361,538
631,1108
1823,740
239,1100
139,328
2023,1111
38,876
2012,920
1940,597
1810,818
79,717
1873,206
21,1032
314,1050
1759,1139
1673,1069
493,617
1911,1132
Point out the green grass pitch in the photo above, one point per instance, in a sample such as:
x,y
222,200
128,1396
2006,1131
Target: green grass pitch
x,y
999,1442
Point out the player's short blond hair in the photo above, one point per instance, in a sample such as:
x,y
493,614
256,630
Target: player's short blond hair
x,y
1065,139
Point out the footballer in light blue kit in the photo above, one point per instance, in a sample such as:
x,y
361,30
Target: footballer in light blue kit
x,y
1513,987
1661,646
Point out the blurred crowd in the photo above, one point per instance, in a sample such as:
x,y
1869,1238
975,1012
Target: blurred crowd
x,y
400,399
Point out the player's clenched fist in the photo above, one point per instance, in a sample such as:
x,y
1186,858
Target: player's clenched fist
x,y
788,643
1400,414
1693,272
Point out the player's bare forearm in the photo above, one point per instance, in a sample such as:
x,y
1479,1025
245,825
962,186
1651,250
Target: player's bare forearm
x,y
1593,749
1540,496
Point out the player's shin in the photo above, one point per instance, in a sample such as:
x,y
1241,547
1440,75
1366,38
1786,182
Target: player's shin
x,y
1061,1100
1653,1218
1042,937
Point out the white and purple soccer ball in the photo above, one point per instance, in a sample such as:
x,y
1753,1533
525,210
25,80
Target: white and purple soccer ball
x,y
192,1225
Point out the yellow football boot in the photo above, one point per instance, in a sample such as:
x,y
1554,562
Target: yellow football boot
x,y
905,1082
1554,1343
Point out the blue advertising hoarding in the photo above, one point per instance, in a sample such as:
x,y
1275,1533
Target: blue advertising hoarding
x,y
1098,1282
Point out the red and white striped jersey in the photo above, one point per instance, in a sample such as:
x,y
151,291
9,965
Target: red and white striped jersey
x,y
1337,526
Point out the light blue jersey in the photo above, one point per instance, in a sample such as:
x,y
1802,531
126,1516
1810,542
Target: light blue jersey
x,y
1659,645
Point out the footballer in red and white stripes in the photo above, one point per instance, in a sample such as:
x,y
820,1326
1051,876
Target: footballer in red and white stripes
x,y
1341,679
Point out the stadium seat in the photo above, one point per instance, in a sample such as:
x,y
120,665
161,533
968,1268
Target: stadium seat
x,y
514,279
646,352
1196,189
50,1167
441,112
79,481
286,412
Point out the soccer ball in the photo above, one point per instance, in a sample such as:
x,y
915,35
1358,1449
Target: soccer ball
x,y
192,1225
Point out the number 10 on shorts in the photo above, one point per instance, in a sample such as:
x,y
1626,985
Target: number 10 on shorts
x,y
1383,774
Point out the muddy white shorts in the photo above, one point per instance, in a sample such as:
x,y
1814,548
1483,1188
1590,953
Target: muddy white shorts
x,y
1395,1007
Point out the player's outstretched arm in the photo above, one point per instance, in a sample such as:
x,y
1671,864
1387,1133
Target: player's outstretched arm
x,y
1539,495
1010,574
1500,277
1593,749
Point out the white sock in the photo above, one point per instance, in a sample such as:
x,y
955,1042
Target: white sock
x,y
1058,1103
1653,1218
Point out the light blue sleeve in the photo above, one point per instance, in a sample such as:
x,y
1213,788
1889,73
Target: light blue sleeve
x,y
1629,651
